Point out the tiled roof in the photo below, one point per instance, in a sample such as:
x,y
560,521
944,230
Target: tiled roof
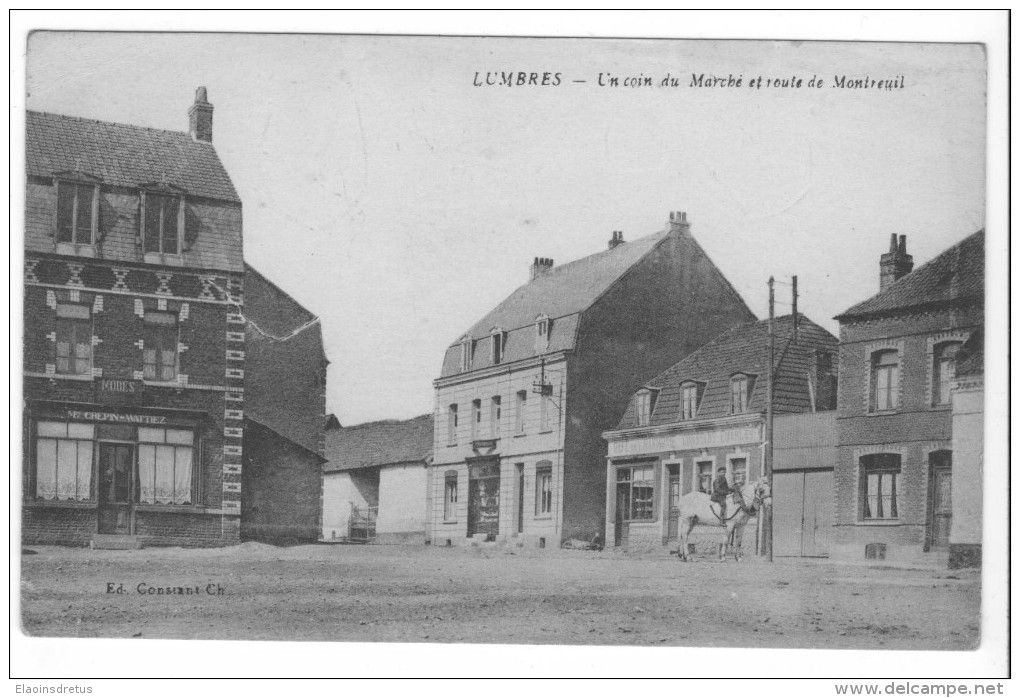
x,y
742,349
379,443
124,155
957,275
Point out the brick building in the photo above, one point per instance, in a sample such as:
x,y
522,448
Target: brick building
x,y
141,353
898,478
525,394
134,334
285,405
707,412
375,483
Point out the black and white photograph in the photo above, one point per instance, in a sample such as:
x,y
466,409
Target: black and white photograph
x,y
442,344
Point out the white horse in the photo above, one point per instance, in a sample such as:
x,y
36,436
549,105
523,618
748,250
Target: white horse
x,y
696,508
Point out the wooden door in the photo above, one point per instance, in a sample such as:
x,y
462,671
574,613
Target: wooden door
x,y
817,514
116,471
622,513
940,507
673,503
787,513
483,500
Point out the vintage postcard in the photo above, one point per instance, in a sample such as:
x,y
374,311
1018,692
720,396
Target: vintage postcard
x,y
505,341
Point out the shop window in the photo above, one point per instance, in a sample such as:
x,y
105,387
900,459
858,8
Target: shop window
x,y
738,471
885,379
543,489
944,371
165,458
63,461
450,496
74,339
76,209
495,415
522,406
704,476
159,355
451,425
635,488
879,486
162,221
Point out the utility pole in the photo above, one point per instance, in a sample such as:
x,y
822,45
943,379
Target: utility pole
x,y
796,319
766,512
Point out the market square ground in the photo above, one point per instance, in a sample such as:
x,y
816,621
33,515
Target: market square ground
x,y
494,595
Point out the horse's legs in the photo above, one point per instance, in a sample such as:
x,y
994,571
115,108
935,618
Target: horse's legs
x,y
738,542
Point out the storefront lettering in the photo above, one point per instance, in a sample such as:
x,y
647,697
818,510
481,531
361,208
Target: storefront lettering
x,y
116,417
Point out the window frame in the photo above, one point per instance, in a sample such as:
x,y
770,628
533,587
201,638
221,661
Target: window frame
x,y
74,324
543,489
883,465
892,372
162,192
476,418
643,407
937,382
91,469
495,415
497,345
451,424
450,496
685,388
466,353
648,504
177,447
153,331
701,478
77,184
520,425
542,327
746,381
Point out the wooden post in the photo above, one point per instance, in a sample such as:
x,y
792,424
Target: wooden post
x,y
766,512
796,319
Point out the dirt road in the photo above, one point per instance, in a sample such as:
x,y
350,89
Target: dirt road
x,y
426,594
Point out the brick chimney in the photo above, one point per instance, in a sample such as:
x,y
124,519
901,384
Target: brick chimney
x,y
540,267
200,117
678,222
895,263
617,239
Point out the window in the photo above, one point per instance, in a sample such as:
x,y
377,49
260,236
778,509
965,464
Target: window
x,y
704,468
885,378
74,339
162,218
543,489
466,351
76,209
498,339
546,409
450,496
644,408
476,418
944,372
522,405
879,486
451,425
495,414
542,326
164,465
635,490
63,461
740,390
738,471
688,401
159,355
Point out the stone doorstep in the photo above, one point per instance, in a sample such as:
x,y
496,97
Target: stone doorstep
x,y
102,541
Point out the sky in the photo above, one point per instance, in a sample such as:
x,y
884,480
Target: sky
x,y
399,201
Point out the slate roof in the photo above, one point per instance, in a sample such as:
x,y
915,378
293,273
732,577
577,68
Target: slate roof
x,y
375,444
124,155
742,349
561,293
956,276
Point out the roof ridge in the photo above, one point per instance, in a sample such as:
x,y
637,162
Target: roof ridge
x,y
555,270
296,302
379,422
107,123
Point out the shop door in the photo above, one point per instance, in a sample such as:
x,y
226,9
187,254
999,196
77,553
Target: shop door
x,y
483,500
940,509
116,468
622,528
674,502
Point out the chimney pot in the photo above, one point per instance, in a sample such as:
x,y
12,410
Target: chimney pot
x,y
903,244
896,263
200,117
616,240
678,222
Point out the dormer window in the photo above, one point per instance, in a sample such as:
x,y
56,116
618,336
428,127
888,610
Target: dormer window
x,y
741,386
542,327
77,212
162,219
498,341
466,352
645,403
690,397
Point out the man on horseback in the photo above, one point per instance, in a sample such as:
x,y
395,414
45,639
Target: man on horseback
x,y
721,490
